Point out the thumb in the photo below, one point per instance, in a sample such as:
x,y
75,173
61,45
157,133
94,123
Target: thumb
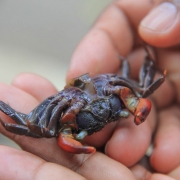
x,y
161,26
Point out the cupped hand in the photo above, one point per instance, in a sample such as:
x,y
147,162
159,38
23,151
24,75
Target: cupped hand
x,y
116,32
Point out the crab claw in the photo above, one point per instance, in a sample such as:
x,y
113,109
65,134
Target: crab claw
x,y
142,110
139,107
67,142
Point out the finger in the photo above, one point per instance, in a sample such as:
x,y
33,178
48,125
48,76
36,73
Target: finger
x,y
99,166
98,51
175,173
169,60
162,25
142,173
37,86
129,142
17,164
165,156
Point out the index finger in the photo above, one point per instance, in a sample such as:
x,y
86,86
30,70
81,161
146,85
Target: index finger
x,y
98,51
113,33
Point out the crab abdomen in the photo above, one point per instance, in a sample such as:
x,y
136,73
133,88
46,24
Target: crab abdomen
x,y
94,116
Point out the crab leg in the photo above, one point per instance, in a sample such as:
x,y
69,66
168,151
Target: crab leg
x,y
67,142
69,116
16,116
46,124
125,82
147,72
18,129
125,67
155,85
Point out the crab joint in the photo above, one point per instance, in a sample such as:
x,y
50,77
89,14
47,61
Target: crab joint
x,y
81,135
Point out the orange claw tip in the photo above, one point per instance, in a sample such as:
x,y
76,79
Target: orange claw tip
x,y
142,111
89,150
165,72
71,145
138,120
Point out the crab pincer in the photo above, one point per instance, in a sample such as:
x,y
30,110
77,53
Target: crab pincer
x,y
67,142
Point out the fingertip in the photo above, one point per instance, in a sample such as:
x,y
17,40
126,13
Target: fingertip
x,y
161,26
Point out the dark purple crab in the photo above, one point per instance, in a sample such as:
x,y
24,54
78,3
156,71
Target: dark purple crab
x,y
86,105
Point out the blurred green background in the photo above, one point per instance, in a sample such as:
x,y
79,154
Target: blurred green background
x,y
40,37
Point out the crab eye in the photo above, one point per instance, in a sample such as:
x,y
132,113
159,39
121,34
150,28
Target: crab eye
x,y
79,84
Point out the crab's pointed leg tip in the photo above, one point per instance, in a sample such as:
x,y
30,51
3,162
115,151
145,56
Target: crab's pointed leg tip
x,y
165,73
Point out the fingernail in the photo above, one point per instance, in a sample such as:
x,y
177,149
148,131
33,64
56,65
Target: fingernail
x,y
160,18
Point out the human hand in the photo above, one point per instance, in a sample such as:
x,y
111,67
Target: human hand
x,y
49,160
118,31
98,47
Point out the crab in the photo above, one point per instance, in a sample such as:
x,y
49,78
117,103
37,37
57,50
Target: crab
x,y
86,105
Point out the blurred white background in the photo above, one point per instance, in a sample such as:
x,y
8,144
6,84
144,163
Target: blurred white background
x,y
40,37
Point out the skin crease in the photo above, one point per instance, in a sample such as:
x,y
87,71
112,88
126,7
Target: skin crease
x,y
115,32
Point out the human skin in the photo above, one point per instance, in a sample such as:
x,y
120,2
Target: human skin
x,y
118,30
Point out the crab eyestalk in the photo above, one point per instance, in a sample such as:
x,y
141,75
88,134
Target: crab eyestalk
x,y
139,107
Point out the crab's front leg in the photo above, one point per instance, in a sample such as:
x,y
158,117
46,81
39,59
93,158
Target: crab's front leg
x,y
139,107
67,142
